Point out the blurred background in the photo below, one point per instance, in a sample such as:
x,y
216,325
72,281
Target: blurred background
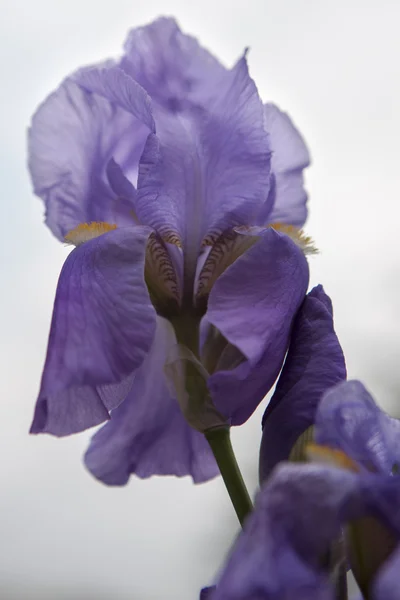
x,y
334,66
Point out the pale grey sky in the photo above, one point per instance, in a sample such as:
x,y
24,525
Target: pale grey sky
x,y
333,65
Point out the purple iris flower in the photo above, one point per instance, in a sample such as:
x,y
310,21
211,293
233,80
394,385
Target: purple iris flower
x,y
165,170
301,509
314,363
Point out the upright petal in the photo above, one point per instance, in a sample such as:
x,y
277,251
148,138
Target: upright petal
x,y
74,135
253,305
102,328
171,66
349,419
147,434
208,167
314,363
288,198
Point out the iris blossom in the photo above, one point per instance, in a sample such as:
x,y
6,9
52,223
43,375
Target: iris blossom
x,y
183,195
314,363
301,510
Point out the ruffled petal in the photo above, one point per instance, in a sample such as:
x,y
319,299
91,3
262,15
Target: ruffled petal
x,y
74,135
102,328
288,198
147,434
348,419
207,169
297,516
173,68
253,304
115,85
314,363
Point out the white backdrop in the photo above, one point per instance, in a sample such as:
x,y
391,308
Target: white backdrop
x,y
334,66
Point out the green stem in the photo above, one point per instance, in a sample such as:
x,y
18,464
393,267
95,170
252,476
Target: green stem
x,y
220,443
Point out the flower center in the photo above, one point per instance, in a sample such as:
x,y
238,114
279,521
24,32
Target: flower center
x,y
182,297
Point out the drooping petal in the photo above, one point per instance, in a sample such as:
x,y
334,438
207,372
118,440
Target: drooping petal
x,y
171,66
314,363
348,419
297,516
74,135
288,198
253,305
102,328
207,169
147,434
386,584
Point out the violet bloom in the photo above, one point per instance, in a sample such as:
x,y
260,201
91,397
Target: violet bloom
x,y
301,509
165,169
314,363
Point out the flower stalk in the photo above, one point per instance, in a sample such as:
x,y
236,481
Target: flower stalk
x,y
220,443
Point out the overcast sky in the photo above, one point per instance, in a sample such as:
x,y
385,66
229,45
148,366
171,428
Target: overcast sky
x,y
334,66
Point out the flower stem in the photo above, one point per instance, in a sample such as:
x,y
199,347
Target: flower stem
x,y
220,443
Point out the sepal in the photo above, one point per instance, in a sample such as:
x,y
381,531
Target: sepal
x,y
188,379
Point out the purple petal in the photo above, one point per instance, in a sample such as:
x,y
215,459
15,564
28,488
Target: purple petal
x,y
147,434
386,584
124,190
298,514
253,305
119,183
314,363
289,157
206,593
73,136
274,556
172,67
115,85
102,328
348,418
208,167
